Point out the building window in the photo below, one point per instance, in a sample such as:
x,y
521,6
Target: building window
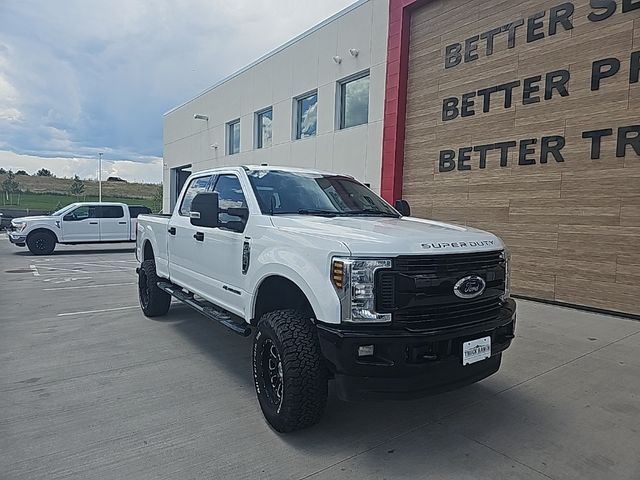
x,y
233,137
307,115
354,101
263,126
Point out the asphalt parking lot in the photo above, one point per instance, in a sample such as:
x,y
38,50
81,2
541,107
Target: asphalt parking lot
x,y
90,388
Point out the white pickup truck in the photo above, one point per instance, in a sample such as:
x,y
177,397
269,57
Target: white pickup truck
x,y
337,284
86,222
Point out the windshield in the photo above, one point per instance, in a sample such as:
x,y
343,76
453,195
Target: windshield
x,y
63,210
281,193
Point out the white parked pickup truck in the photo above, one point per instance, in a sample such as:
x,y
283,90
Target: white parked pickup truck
x,y
337,284
86,222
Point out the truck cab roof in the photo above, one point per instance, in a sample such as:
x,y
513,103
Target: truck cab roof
x,y
267,168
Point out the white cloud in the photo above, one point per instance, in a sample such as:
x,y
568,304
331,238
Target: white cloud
x,y
148,172
81,77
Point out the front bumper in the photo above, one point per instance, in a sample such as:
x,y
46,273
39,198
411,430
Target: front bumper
x,y
17,239
409,364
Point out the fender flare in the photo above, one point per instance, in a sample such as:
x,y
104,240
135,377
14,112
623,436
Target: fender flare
x,y
326,311
46,228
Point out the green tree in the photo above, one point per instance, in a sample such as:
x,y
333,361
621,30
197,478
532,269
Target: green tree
x,y
2,171
77,187
157,199
10,186
22,172
43,172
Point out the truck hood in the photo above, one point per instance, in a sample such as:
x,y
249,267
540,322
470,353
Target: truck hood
x,y
35,218
382,236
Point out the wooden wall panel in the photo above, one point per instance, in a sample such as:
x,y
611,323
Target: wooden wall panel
x,y
574,226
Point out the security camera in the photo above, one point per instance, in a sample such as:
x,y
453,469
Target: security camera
x,y
198,116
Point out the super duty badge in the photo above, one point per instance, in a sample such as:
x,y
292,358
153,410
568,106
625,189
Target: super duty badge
x,y
483,243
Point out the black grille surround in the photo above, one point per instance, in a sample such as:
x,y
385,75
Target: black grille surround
x,y
419,290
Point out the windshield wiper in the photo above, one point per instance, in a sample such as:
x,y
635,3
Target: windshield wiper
x,y
371,211
324,213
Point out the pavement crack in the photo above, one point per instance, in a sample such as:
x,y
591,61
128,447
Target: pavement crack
x,y
100,372
568,362
467,407
509,457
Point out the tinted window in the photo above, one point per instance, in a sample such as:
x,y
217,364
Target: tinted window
x,y
82,213
307,116
111,211
233,137
197,185
230,195
264,128
354,102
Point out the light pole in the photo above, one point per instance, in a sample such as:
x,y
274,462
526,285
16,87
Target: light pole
x,y
100,178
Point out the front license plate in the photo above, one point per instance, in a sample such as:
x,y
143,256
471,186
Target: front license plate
x,y
476,350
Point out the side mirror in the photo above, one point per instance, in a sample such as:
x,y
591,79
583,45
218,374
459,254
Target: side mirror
x,y
204,210
69,217
403,207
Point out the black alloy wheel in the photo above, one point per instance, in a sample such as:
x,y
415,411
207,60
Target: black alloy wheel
x,y
272,367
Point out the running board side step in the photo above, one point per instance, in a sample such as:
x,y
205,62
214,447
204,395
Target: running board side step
x,y
228,319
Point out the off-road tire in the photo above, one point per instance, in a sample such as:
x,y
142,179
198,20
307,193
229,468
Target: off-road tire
x,y
153,301
304,376
41,243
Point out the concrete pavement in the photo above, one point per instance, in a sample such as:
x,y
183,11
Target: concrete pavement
x,y
90,388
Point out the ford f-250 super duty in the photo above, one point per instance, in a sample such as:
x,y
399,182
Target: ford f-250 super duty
x,y
84,222
337,284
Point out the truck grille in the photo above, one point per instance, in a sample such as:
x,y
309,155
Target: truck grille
x,y
418,290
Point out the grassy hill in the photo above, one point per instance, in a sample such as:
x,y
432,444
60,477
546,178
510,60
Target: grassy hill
x,y
49,193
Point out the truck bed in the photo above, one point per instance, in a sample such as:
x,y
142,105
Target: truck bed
x,y
155,229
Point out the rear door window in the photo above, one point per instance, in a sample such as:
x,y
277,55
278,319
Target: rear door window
x,y
111,211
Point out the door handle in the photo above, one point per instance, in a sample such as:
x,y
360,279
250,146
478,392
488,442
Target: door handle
x,y
122,223
172,231
199,236
93,223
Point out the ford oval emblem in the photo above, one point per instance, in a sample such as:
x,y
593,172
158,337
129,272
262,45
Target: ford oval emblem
x,y
469,287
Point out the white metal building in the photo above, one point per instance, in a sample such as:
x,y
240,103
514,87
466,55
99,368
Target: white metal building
x,y
316,101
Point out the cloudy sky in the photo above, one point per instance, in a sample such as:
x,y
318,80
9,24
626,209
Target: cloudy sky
x,y
78,77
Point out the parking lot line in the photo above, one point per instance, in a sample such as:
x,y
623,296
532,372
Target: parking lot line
x,y
88,286
97,311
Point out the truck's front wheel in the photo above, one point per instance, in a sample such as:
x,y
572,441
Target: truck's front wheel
x,y
288,370
153,301
41,243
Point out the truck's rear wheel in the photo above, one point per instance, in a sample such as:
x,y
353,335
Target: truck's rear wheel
x,y
288,370
41,243
153,301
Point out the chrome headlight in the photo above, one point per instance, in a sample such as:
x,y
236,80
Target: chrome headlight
x,y
354,280
19,226
506,257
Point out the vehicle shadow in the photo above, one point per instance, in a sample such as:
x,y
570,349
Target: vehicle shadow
x,y
225,348
346,423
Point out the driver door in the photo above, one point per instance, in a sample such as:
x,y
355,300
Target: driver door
x,y
217,259
81,225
